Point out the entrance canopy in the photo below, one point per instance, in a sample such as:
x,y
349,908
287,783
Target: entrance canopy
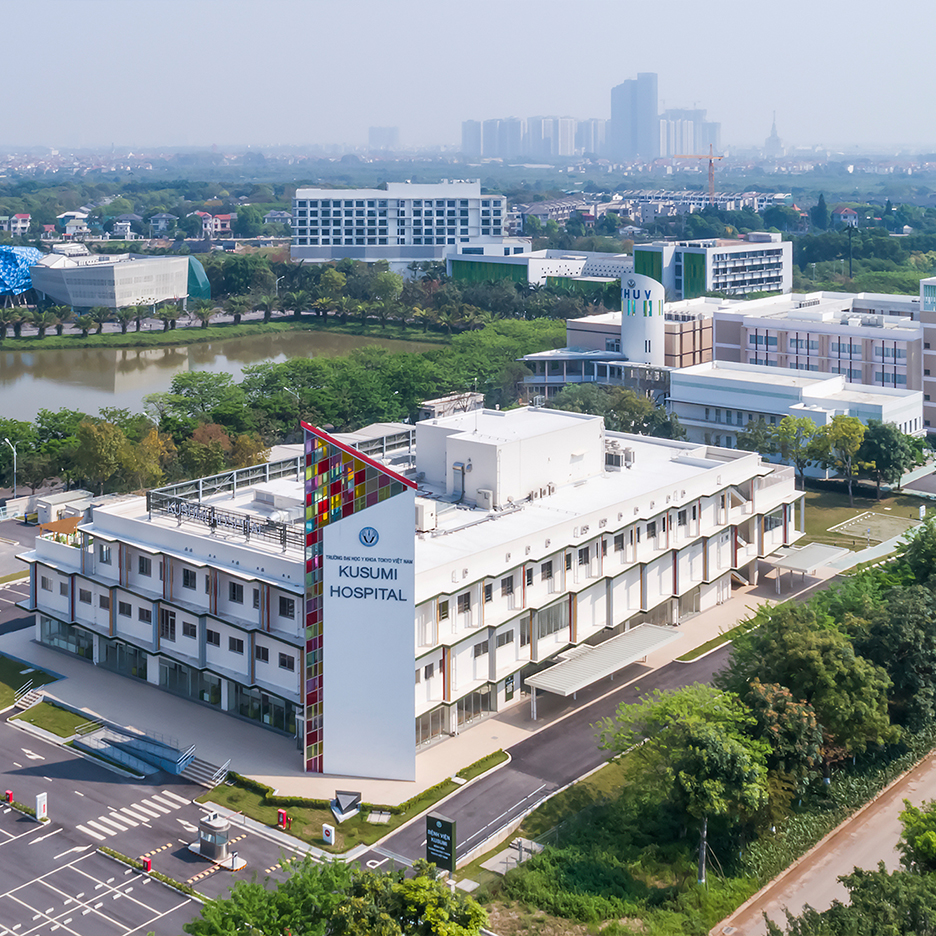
x,y
808,559
589,664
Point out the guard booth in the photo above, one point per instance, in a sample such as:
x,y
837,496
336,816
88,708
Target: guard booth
x,y
214,833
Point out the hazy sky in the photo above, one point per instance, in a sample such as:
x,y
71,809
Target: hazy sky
x,y
147,73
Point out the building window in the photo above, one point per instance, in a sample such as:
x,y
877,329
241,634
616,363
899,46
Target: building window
x,y
146,616
45,583
429,671
651,529
145,565
481,648
63,589
584,555
464,603
256,598
188,578
506,586
207,584
104,602
262,654
236,592
235,645
104,554
287,607
619,542
488,593
124,609
681,518
287,662
214,638
546,570
189,629
443,610
84,595
568,561
504,639
524,630
166,623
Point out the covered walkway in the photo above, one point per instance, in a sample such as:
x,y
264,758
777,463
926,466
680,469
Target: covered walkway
x,y
584,665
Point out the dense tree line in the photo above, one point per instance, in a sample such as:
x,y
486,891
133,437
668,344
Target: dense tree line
x,y
207,422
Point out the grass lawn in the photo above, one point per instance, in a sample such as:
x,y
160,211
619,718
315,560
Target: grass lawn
x,y
828,507
13,576
307,821
12,678
52,718
185,335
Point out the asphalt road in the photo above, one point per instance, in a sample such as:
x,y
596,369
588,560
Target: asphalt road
x,y
11,617
54,880
540,765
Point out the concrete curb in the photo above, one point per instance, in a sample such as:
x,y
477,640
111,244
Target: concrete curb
x,y
720,927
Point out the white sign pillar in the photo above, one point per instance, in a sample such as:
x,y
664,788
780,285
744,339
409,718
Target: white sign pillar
x,y
42,806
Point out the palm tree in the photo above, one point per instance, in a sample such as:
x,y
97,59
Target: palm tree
x,y
44,320
238,306
426,316
84,323
18,318
100,314
168,315
140,312
124,317
266,304
205,315
64,315
7,319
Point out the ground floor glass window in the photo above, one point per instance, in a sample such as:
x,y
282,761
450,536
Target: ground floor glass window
x,y
189,682
66,637
431,725
123,658
474,705
269,710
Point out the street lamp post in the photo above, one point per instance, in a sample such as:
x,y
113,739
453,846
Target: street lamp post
x,y
12,446
279,279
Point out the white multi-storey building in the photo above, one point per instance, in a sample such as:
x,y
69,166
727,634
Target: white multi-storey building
x,y
263,594
406,223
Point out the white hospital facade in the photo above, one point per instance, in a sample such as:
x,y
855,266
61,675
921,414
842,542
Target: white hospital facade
x,y
365,608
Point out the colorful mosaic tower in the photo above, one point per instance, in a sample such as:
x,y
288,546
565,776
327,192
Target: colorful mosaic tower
x,y
339,482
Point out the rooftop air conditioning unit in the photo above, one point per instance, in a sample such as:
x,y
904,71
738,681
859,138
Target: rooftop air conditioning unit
x,y
629,458
426,517
486,498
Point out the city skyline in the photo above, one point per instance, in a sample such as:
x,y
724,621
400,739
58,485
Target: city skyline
x,y
257,88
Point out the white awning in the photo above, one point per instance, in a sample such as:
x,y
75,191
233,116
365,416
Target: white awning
x,y
807,559
593,663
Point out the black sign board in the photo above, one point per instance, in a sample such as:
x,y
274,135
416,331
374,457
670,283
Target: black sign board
x,y
440,841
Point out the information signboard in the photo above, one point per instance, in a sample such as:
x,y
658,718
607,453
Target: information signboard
x,y
440,841
42,806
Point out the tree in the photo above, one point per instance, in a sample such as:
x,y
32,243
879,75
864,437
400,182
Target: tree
x,y
83,323
756,437
917,845
143,464
43,321
247,449
836,445
99,451
808,654
900,637
819,214
887,454
100,315
697,737
333,283
792,439
623,410
124,316
918,551
248,223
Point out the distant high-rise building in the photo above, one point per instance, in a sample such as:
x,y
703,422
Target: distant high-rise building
x,y
685,131
634,126
510,137
773,145
590,136
471,144
383,138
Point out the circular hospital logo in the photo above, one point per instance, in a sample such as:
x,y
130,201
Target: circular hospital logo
x,y
368,536
631,283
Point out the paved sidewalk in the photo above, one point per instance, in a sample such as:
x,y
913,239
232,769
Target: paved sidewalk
x,y
273,759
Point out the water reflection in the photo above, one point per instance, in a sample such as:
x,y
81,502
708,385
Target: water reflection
x,y
89,378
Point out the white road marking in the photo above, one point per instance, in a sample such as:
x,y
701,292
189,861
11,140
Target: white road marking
x,y
87,831
100,828
17,765
152,805
376,864
79,794
178,799
42,838
145,811
77,848
187,825
136,815
31,754
110,822
166,802
124,819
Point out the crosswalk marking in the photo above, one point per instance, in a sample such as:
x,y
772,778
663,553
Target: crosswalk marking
x,y
101,828
87,831
152,805
136,815
165,802
145,811
124,819
180,800
110,822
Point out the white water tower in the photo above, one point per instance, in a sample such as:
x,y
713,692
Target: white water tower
x,y
643,327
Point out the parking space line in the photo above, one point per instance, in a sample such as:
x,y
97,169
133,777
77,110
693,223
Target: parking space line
x,y
48,918
180,800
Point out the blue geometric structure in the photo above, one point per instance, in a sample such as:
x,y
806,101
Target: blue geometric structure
x,y
14,269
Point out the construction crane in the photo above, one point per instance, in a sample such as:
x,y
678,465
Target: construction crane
x,y
711,157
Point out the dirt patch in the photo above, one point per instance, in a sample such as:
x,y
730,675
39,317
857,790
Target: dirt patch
x,y
513,919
